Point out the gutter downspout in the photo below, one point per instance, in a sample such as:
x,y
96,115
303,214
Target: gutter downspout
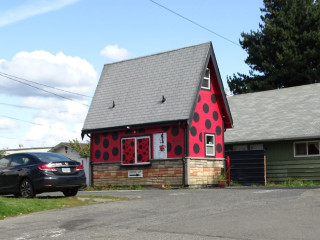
x,y
186,153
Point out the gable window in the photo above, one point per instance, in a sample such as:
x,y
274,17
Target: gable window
x,y
210,143
206,80
135,150
310,148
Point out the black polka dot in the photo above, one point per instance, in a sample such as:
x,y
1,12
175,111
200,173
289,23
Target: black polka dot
x,y
200,137
199,98
123,157
139,140
139,157
131,161
219,148
123,147
134,155
213,98
106,143
115,151
175,131
193,131
114,135
140,146
218,130
178,150
165,129
97,154
215,115
196,117
132,143
97,140
129,131
196,148
169,146
105,134
106,156
205,108
208,124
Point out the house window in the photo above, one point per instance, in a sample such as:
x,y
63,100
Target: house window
x,y
256,146
240,147
135,150
210,143
206,80
303,149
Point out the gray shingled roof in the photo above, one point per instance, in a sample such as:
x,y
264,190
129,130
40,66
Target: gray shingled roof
x,y
136,86
284,114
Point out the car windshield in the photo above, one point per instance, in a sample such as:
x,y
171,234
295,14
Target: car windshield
x,y
50,157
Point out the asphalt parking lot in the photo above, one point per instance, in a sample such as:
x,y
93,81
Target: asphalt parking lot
x,y
231,213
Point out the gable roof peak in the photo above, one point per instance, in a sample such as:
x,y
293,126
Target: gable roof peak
x,y
209,43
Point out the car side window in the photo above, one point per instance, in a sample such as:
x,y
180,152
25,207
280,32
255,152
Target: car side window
x,y
4,162
19,160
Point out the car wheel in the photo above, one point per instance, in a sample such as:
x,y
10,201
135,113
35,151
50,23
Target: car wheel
x,y
70,192
26,189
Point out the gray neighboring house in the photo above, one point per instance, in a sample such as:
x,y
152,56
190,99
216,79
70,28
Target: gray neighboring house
x,y
286,124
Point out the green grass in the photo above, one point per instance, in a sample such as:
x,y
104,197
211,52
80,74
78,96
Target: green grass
x,y
293,183
10,206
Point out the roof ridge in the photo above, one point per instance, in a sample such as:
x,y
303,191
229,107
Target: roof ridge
x,y
154,54
286,89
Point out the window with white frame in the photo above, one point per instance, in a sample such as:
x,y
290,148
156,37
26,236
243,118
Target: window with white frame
x,y
256,146
206,80
309,148
135,150
240,147
210,145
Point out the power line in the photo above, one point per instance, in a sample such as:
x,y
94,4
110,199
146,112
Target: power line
x,y
43,90
17,106
39,124
195,23
59,89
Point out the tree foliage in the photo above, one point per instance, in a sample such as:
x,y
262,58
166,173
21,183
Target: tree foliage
x,y
2,153
82,148
285,51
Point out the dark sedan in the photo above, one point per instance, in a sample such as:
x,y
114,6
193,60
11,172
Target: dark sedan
x,y
27,174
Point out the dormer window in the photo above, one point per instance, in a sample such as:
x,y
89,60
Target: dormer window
x,y
206,80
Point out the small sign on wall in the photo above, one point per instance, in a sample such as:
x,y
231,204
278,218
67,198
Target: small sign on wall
x,y
135,173
160,145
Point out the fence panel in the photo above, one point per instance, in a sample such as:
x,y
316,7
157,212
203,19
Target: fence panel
x,y
247,167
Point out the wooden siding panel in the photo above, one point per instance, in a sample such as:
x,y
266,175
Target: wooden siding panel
x,y
282,165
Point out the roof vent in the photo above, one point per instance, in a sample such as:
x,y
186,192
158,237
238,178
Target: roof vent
x,y
113,104
163,99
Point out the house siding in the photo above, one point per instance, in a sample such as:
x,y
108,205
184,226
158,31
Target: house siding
x,y
282,165
207,119
106,147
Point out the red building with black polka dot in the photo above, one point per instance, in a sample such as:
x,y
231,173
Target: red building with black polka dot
x,y
159,120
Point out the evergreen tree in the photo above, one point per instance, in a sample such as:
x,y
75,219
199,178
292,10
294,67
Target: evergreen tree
x,y
285,51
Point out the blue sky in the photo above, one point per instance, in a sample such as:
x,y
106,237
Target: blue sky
x,y
65,43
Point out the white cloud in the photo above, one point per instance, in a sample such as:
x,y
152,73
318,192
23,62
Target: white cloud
x,y
50,133
60,71
113,52
7,124
58,119
31,8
